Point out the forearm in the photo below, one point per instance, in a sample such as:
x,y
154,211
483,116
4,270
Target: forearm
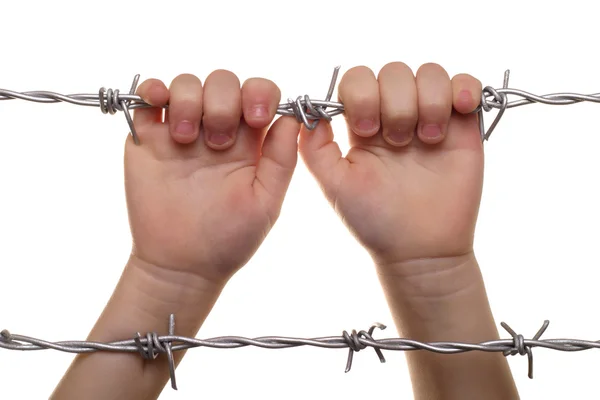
x,y
142,302
445,300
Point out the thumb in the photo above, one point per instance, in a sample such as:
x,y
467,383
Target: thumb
x,y
323,157
278,160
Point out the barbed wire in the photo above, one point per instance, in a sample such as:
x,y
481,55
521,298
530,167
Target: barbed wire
x,y
309,112
306,110
152,345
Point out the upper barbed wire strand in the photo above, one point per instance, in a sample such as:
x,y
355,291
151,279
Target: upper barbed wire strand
x,y
306,110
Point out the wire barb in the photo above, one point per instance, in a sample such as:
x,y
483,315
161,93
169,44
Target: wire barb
x,y
500,99
520,347
307,110
355,345
110,102
154,346
5,336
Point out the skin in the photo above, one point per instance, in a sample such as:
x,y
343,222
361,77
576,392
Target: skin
x,y
409,190
203,190
207,184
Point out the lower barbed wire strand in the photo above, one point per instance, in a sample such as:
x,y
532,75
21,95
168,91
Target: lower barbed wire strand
x,y
24,343
152,345
305,109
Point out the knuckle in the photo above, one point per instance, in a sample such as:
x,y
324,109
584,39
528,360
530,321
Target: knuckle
x,y
224,75
462,77
356,76
185,79
147,85
364,103
188,101
260,82
149,82
222,111
186,89
261,86
220,122
435,111
400,117
185,109
394,67
253,84
467,80
186,76
361,70
432,68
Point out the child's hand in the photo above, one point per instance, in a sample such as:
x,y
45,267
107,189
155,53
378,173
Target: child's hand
x,y
410,186
409,189
203,189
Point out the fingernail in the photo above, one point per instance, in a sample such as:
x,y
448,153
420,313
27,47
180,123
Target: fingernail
x,y
259,111
218,139
185,128
464,96
366,126
464,99
431,131
399,137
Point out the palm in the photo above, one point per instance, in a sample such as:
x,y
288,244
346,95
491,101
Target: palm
x,y
413,202
411,183
186,211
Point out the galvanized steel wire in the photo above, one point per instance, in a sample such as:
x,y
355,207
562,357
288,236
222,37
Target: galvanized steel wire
x,y
306,110
151,345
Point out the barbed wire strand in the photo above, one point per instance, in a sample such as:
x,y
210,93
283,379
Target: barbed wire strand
x,y
306,110
152,345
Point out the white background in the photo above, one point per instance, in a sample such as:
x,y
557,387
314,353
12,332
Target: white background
x,y
64,235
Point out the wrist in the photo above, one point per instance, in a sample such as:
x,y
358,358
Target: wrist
x,y
444,300
439,299
143,300
432,277
157,292
178,267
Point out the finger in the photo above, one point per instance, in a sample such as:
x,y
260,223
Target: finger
x,y
185,108
222,109
359,92
466,93
260,99
155,93
323,157
276,165
435,103
399,108
464,124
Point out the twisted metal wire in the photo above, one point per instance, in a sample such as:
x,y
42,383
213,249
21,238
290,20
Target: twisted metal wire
x,y
152,345
306,110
